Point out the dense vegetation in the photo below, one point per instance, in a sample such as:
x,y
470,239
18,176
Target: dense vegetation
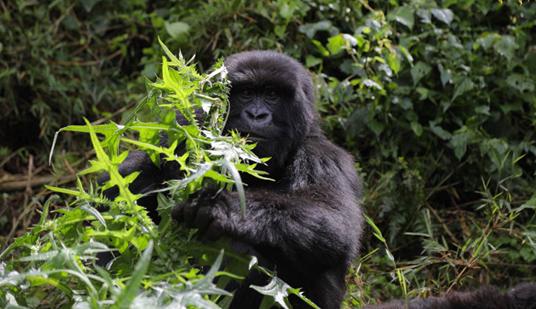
x,y
436,100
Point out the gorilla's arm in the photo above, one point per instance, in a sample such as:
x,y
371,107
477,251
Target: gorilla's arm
x,y
522,296
297,224
309,216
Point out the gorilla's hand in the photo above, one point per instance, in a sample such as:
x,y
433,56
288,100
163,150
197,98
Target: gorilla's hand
x,y
207,211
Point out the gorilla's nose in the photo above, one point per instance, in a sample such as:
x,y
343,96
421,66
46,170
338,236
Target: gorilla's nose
x,y
257,116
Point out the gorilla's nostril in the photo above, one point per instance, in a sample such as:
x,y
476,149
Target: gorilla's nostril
x,y
261,116
250,114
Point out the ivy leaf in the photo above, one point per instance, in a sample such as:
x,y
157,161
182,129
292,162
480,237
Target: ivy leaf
x,y
444,74
393,61
403,15
520,82
439,131
311,29
506,46
177,29
419,71
444,15
425,15
336,44
417,128
462,87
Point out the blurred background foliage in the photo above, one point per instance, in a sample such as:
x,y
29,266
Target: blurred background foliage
x,y
435,99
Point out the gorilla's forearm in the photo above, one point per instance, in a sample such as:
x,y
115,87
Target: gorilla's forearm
x,y
295,224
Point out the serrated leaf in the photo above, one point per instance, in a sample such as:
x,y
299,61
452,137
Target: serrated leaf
x,y
94,212
276,288
65,191
238,183
128,294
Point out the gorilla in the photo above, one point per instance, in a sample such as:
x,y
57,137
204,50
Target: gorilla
x,y
305,225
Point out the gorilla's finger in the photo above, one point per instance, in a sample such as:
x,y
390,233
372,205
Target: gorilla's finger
x,y
213,231
189,214
202,218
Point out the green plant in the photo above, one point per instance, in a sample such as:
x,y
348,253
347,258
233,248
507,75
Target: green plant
x,y
55,263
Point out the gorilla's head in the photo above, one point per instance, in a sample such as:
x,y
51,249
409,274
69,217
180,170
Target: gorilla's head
x,y
272,102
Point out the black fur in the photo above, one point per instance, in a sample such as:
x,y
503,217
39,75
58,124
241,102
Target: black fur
x,y
522,296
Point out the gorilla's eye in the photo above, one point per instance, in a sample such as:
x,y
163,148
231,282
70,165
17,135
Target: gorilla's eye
x,y
246,93
271,94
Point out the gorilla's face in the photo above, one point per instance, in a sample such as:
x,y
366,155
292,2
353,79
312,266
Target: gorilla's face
x,y
271,103
259,112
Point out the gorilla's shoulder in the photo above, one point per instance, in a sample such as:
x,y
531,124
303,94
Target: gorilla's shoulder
x,y
319,161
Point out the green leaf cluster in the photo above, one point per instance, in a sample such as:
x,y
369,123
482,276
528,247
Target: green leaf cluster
x,y
55,264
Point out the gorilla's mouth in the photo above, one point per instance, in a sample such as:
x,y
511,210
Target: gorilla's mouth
x,y
255,137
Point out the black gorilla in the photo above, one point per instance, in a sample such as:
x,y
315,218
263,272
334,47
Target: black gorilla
x,y
307,224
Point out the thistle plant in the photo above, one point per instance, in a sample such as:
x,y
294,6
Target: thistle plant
x,y
55,264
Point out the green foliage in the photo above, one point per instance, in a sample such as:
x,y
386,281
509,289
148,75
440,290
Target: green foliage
x,y
62,60
436,99
55,263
